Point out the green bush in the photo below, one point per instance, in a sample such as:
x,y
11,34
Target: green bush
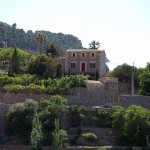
x,y
132,123
17,80
19,118
75,115
14,88
63,85
5,80
35,88
89,137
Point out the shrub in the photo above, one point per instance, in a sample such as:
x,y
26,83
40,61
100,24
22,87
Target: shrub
x,y
132,124
35,88
14,88
75,115
62,85
89,137
19,118
5,80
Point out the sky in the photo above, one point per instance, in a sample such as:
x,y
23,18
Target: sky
x,y
121,26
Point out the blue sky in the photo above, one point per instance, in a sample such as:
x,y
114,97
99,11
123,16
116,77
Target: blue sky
x,y
121,26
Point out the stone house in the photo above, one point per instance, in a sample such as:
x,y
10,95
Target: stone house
x,y
85,61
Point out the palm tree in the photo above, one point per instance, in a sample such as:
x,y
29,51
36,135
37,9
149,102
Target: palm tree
x,y
41,38
94,45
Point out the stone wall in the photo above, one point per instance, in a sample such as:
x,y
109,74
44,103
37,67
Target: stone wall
x,y
127,100
125,88
83,97
78,96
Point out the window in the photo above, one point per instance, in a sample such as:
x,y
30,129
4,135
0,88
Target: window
x,y
92,65
73,54
93,54
83,54
73,65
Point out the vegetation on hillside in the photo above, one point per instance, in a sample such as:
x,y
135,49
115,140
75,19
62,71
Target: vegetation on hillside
x,y
27,40
131,124
25,73
31,84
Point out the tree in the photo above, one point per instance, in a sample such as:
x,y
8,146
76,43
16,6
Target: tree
x,y
53,49
144,80
19,118
39,65
41,39
57,104
59,70
132,123
59,137
15,65
36,134
94,45
51,109
123,73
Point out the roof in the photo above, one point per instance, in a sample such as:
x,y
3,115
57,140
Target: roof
x,y
72,50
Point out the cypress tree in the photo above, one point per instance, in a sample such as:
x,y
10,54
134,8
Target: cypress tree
x,y
36,134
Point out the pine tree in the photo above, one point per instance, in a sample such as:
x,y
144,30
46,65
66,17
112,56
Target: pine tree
x,y
36,134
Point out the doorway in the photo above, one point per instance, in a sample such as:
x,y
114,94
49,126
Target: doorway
x,y
83,67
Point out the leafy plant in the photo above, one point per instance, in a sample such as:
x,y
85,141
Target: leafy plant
x,y
19,118
75,115
35,88
132,123
89,137
51,109
14,88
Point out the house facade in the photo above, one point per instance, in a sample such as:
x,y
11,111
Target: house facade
x,y
85,61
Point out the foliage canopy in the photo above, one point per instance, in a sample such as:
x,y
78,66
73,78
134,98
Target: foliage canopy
x,y
19,118
132,123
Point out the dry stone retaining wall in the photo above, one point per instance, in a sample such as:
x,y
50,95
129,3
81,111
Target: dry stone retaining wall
x,y
127,100
78,96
